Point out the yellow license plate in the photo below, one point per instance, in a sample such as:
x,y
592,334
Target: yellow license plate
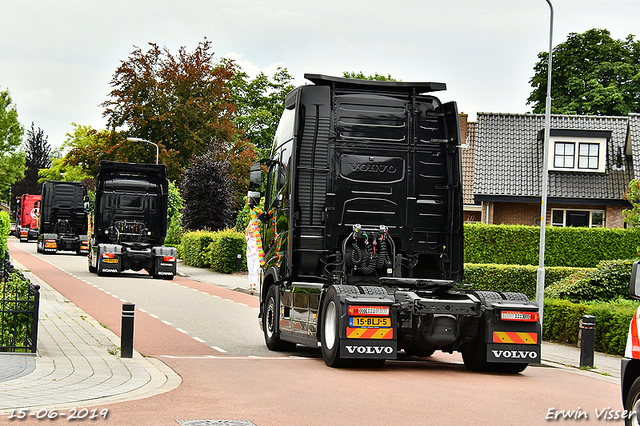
x,y
369,322
109,260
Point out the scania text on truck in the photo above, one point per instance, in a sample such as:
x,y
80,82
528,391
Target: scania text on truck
x,y
630,365
130,220
28,217
63,219
362,230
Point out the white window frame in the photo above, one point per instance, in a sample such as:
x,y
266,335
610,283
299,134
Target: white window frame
x,y
564,217
579,144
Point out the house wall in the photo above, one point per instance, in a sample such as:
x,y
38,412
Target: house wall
x,y
529,214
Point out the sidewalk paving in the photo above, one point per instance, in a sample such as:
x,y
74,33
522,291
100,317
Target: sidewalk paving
x,y
77,364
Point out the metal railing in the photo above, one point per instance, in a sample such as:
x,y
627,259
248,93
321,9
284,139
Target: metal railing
x,y
19,306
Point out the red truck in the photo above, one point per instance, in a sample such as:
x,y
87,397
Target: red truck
x,y
28,217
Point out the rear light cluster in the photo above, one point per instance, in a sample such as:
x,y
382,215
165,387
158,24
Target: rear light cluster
x,y
370,311
169,258
108,255
519,316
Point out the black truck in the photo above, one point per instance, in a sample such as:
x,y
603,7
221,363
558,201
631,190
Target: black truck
x,y
130,220
362,230
63,218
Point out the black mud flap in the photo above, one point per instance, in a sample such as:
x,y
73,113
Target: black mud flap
x,y
514,354
369,348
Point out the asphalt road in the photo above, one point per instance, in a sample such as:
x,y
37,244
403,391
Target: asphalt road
x,y
195,321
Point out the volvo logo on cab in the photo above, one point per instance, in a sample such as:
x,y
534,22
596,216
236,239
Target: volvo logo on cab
x,y
372,167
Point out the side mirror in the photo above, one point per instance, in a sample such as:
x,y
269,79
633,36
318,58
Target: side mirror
x,y
255,177
634,286
253,198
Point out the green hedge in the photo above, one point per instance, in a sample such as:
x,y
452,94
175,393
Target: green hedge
x,y
216,250
223,251
5,227
192,248
562,322
573,247
517,278
609,281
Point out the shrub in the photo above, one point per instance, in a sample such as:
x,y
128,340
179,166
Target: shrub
x,y
516,278
562,322
5,226
224,249
192,248
609,281
216,250
15,321
573,247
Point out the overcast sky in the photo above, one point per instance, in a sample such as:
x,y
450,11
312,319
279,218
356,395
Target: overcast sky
x,y
57,57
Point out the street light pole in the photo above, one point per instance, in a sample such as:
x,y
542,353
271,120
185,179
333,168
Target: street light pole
x,y
545,175
149,142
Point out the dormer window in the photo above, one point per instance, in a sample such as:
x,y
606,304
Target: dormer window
x,y
578,150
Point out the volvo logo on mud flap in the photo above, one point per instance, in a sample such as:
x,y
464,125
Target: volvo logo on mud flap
x,y
369,349
386,350
505,354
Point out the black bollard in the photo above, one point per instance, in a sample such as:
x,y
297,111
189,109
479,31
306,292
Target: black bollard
x,y
126,338
587,340
238,262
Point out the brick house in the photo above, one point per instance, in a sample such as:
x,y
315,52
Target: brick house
x,y
590,166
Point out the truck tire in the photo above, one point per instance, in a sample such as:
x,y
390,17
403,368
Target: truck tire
x,y
632,403
270,324
329,332
373,290
514,297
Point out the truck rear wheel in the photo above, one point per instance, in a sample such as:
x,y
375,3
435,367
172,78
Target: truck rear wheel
x,y
329,333
270,324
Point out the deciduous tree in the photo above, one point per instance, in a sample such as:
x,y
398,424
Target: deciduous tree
x,y
12,159
181,102
592,74
206,194
260,102
38,156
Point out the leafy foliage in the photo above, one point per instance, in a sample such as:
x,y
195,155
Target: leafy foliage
x,y
592,74
181,102
562,322
632,215
223,251
216,250
5,226
514,278
206,194
175,205
360,76
259,103
16,318
12,160
607,282
574,247
38,153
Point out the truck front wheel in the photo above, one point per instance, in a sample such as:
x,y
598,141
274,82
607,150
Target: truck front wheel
x,y
632,404
270,324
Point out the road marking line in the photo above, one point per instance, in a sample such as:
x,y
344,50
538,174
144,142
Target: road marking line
x,y
181,330
198,339
154,316
166,322
218,349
